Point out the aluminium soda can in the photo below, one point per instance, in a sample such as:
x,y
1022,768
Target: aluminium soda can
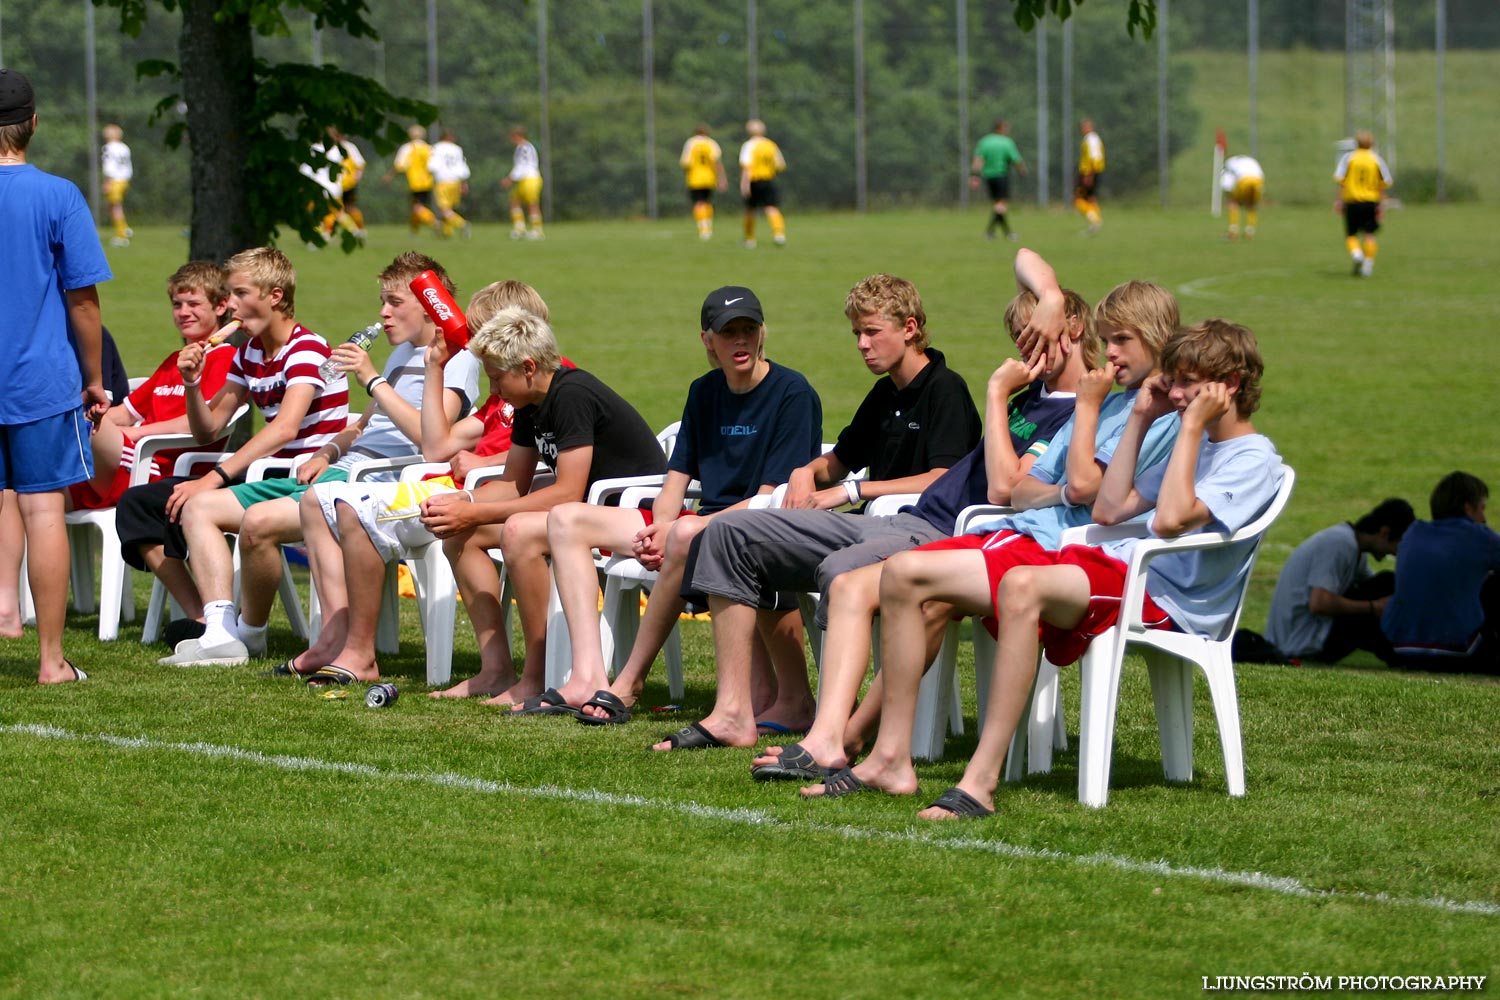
x,y
381,695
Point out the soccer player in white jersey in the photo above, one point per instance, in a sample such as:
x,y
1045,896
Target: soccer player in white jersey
x,y
115,157
525,185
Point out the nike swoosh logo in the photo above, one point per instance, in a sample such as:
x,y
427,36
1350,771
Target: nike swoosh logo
x,y
730,302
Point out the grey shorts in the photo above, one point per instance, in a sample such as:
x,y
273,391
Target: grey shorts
x,y
747,556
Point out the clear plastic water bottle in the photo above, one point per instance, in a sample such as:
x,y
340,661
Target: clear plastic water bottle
x,y
361,339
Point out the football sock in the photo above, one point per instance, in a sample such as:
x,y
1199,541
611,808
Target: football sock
x,y
218,621
248,632
1352,245
778,223
1001,221
749,227
1370,248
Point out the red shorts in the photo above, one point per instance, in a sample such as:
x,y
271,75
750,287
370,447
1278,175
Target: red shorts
x,y
1004,550
83,496
645,511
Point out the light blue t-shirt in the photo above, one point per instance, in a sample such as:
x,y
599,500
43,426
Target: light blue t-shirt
x,y
407,372
1236,480
1047,524
50,247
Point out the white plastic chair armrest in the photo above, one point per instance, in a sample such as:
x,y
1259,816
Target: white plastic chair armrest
x,y
979,512
889,504
605,489
370,467
420,470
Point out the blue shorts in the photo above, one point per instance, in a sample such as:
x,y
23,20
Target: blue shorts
x,y
47,454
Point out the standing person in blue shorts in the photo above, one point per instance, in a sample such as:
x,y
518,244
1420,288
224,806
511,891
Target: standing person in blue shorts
x,y
52,261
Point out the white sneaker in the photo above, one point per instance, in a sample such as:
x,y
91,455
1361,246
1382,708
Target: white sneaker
x,y
516,234
748,244
129,232
119,241
536,234
1366,268
191,653
779,240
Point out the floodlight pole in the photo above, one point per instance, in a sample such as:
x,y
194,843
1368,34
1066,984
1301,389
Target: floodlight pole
x,y
1067,101
544,116
1163,159
1440,48
1252,46
961,17
1390,84
1042,159
91,87
752,59
861,175
432,56
648,59
317,41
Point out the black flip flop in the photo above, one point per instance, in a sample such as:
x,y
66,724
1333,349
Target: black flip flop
x,y
693,737
617,712
549,702
794,764
961,804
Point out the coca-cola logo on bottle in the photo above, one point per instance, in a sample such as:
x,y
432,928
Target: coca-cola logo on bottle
x,y
439,308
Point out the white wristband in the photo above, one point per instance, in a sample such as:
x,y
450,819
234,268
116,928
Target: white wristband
x,y
469,494
851,490
193,384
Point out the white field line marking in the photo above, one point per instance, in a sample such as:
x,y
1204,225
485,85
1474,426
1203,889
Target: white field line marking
x,y
1283,885
1204,288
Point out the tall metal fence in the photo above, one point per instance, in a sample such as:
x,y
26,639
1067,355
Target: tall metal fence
x,y
874,104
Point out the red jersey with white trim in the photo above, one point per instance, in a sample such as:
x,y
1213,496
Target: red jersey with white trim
x,y
297,363
161,397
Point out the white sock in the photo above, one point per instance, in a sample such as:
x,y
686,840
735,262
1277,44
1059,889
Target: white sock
x,y
247,632
218,619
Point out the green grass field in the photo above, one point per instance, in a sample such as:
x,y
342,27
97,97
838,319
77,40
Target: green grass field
x,y
185,833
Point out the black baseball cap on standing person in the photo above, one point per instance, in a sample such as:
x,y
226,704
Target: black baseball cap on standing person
x,y
17,100
727,303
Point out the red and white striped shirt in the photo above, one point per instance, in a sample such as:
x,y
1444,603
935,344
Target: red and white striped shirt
x,y
296,363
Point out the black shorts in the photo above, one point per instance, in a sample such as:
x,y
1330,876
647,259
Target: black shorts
x,y
701,196
1087,189
999,187
1361,217
351,196
423,198
763,194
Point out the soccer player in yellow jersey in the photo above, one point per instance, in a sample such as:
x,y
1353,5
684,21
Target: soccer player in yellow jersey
x,y
1362,178
343,151
1090,168
411,160
704,163
760,162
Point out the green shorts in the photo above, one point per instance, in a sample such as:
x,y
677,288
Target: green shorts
x,y
286,486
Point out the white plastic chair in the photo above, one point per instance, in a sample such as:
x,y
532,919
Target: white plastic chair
x,y
116,602
1170,658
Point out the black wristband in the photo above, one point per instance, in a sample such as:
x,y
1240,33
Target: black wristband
x,y
370,385
222,474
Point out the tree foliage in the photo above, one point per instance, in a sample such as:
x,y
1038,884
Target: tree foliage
x,y
249,121
1140,14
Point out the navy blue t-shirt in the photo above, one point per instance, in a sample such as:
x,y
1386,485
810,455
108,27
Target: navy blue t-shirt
x,y
1035,416
735,443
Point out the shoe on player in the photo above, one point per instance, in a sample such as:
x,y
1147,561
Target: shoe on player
x,y
1366,268
192,653
779,239
748,244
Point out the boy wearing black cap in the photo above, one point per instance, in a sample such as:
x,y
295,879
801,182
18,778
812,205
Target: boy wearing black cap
x,y
746,425
52,260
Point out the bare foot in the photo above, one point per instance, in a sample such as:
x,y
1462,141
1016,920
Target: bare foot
x,y
10,626
942,813
63,673
514,695
892,778
473,687
726,732
369,674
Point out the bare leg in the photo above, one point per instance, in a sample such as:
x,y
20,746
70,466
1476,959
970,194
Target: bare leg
x,y
205,518
780,633
325,562
574,530
662,611
107,442
265,528
47,573
523,539
908,580
364,577
174,575
479,585
1028,595
12,548
853,598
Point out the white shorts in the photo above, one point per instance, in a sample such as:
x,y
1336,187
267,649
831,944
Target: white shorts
x,y
390,513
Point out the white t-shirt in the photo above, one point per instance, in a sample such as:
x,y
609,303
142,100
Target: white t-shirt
x,y
447,163
116,161
1240,168
406,372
